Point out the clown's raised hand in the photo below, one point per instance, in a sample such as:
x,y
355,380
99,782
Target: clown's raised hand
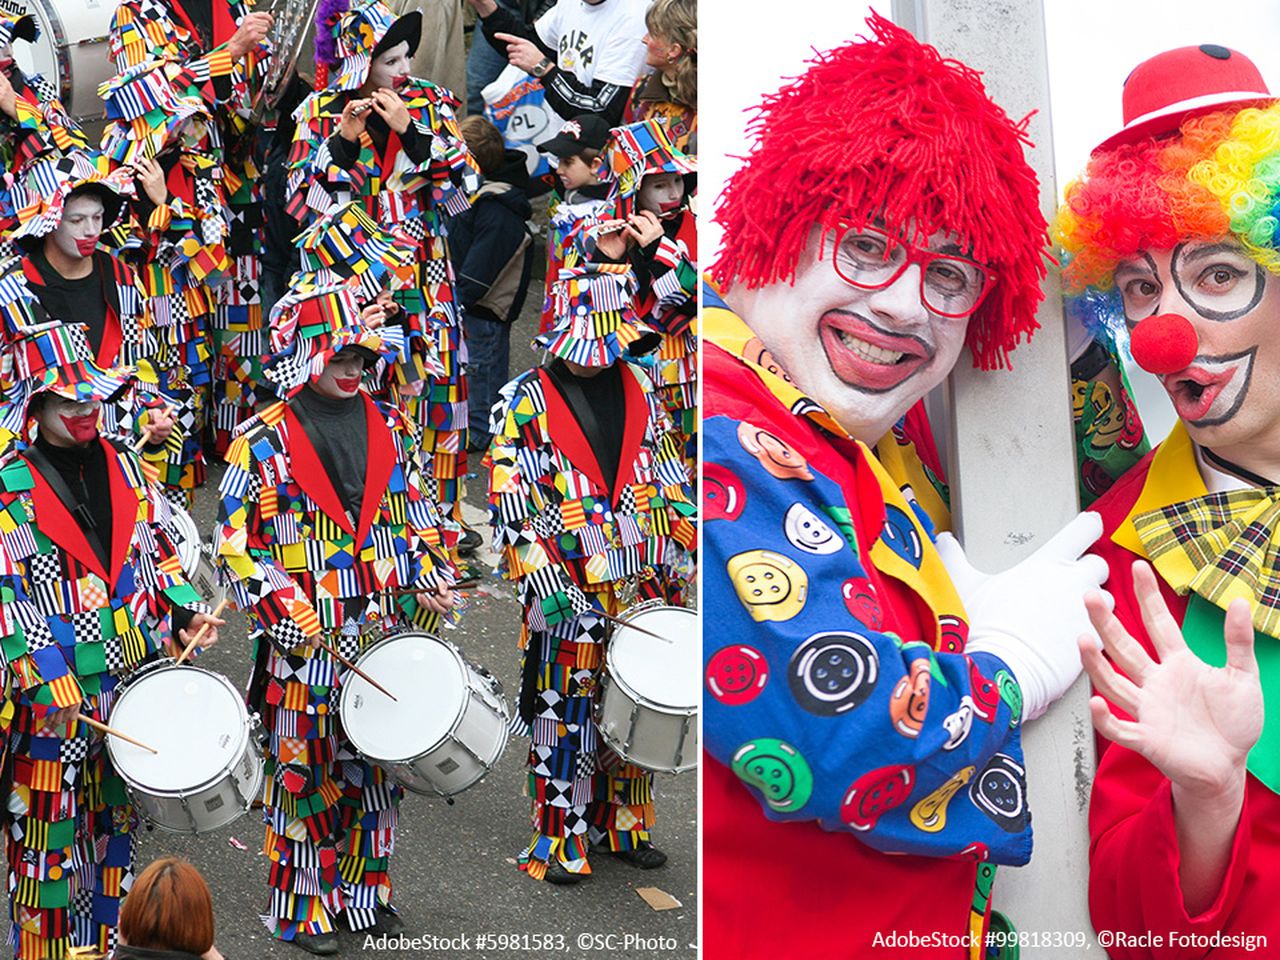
x,y
1194,722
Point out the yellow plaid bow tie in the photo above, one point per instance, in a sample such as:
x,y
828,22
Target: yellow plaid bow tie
x,y
1221,546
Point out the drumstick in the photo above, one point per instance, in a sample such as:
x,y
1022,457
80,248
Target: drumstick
x,y
204,628
143,440
116,733
625,623
410,591
358,672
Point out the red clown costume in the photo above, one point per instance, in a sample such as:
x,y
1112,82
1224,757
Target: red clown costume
x,y
1171,241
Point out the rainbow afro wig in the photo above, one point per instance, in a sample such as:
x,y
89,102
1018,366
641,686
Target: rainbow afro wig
x,y
886,129
1218,176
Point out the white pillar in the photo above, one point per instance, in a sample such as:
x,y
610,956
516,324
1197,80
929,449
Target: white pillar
x,y
1011,467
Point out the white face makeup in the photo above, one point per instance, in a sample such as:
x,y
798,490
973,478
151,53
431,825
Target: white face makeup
x,y
661,193
389,69
6,56
1230,394
341,378
76,237
65,423
865,355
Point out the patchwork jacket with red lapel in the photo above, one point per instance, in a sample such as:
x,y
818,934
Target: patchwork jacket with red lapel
x,y
291,551
66,622
561,532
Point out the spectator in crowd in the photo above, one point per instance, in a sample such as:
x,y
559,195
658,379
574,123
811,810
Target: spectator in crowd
x,y
492,255
586,53
670,93
168,915
485,61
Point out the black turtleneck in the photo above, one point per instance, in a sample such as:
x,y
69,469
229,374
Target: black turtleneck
x,y
339,432
73,301
84,469
598,403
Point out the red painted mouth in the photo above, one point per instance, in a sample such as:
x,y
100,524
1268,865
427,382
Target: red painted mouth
x,y
399,82
880,361
1194,389
82,429
6,65
670,207
86,245
348,384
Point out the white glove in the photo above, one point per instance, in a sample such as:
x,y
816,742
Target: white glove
x,y
1031,614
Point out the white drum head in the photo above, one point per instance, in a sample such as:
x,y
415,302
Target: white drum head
x,y
189,543
667,674
194,718
426,675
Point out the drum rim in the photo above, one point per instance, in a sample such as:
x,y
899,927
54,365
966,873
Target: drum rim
x,y
672,710
454,724
242,744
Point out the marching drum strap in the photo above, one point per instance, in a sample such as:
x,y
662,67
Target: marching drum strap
x,y
77,507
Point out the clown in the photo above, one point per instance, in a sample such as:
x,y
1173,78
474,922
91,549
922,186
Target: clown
x,y
391,142
325,512
591,511
92,589
866,688
1172,236
650,191
64,282
187,71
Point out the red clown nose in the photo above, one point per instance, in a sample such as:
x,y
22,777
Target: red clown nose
x,y
1163,344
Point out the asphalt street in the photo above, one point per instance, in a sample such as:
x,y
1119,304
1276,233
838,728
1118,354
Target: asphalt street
x,y
456,882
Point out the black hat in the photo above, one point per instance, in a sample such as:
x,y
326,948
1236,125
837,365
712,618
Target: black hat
x,y
588,131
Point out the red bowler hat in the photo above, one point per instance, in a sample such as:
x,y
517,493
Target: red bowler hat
x,y
1173,85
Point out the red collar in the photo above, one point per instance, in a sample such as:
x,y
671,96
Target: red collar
x,y
566,433
310,474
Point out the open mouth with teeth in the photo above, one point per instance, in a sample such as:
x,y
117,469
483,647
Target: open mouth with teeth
x,y
1211,390
867,357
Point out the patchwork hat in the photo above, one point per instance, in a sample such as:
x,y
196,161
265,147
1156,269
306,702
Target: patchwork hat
x,y
315,320
348,38
17,26
82,381
1163,91
144,111
348,242
596,323
638,149
38,197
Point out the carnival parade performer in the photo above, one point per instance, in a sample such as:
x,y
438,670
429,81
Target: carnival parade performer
x,y
391,142
89,300
866,688
326,511
591,511
186,72
1171,234
92,589
650,189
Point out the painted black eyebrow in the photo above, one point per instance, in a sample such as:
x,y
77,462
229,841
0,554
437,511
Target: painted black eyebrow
x,y
1147,258
1210,249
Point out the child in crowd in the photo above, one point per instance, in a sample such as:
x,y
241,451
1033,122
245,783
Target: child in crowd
x,y
492,252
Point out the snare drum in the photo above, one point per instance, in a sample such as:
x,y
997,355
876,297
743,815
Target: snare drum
x,y
194,556
649,694
209,766
72,53
446,729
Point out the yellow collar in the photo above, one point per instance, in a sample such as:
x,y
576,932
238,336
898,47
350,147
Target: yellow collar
x,y
1174,476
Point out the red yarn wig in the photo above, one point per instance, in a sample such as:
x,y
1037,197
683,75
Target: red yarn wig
x,y
887,129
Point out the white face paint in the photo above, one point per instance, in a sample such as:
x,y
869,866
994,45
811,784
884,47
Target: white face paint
x,y
65,423
76,237
661,193
389,69
6,57
341,378
865,355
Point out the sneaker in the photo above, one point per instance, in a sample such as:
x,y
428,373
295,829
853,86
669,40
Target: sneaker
x,y
557,874
320,944
469,542
644,857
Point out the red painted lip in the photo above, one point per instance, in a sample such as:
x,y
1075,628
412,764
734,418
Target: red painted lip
x,y
1185,403
668,207
87,245
6,65
81,429
350,385
855,370
399,82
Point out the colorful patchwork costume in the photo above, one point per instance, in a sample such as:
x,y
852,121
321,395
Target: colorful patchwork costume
x,y
300,564
409,182
178,88
73,627
574,543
